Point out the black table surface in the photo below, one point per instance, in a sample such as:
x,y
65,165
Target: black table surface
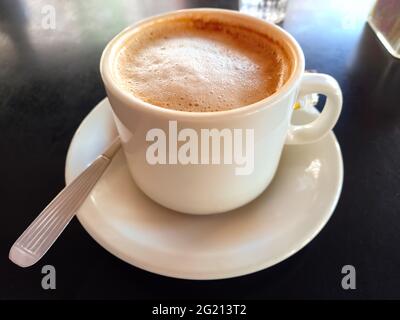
x,y
49,81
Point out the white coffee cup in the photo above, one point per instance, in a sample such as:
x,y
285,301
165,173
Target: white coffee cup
x,y
215,188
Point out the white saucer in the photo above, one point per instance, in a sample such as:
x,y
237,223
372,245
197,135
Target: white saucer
x,y
288,215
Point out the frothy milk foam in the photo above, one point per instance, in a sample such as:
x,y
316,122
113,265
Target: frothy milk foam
x,y
199,65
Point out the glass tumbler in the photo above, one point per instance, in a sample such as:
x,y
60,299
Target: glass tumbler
x,y
271,10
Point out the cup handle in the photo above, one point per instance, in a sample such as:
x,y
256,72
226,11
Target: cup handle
x,y
311,132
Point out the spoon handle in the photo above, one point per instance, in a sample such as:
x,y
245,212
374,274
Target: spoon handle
x,y
31,246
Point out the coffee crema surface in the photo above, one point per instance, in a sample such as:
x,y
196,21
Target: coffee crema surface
x,y
198,65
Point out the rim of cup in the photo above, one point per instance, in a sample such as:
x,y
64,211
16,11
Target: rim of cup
x,y
113,47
